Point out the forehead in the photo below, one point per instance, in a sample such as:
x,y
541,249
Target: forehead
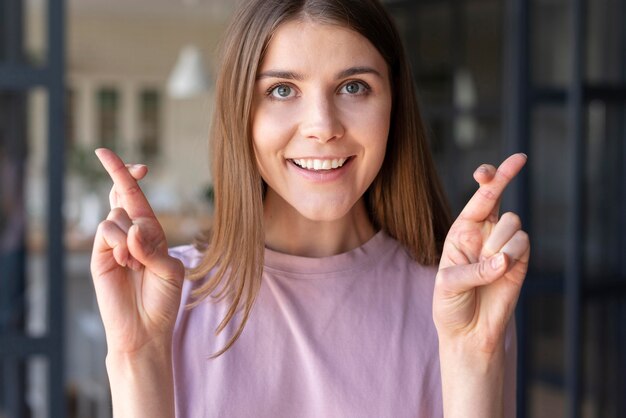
x,y
308,45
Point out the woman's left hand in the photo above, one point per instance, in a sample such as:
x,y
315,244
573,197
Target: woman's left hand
x,y
483,266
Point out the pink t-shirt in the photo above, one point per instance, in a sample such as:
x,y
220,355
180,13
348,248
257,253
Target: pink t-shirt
x,y
349,335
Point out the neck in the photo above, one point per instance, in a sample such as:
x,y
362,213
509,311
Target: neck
x,y
291,233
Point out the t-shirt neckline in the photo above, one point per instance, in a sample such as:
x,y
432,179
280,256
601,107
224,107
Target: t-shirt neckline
x,y
355,259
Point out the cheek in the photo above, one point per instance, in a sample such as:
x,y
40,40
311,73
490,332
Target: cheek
x,y
272,127
375,136
371,126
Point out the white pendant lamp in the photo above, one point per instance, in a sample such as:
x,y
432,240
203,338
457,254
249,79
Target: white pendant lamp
x,y
188,79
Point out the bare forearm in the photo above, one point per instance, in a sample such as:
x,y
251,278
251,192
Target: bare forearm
x,y
142,384
472,383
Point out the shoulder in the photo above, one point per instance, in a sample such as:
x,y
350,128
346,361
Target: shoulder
x,y
404,282
188,254
397,259
191,257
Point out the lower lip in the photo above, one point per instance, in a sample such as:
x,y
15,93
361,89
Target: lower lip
x,y
321,176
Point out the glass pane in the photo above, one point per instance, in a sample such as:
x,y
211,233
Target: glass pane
x,y
430,51
605,154
547,397
604,339
150,123
549,182
37,387
70,118
23,206
35,42
606,44
36,195
456,53
550,42
85,341
108,108
23,35
24,388
483,48
460,144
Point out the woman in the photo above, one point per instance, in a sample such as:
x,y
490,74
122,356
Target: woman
x,y
320,267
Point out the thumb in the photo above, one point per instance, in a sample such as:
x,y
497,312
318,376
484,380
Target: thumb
x,y
148,246
462,278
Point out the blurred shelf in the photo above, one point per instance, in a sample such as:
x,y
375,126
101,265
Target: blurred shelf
x,y
179,230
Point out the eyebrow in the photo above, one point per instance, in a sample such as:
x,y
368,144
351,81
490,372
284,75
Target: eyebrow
x,y
358,70
290,75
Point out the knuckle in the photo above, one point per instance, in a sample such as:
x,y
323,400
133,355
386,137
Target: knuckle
x,y
104,227
487,194
132,190
467,239
480,269
120,166
117,213
110,233
150,250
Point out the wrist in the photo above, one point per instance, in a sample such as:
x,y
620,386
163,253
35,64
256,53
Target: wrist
x,y
142,381
472,354
472,380
154,350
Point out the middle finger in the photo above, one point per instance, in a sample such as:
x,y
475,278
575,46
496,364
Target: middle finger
x,y
504,230
138,171
120,218
127,188
487,197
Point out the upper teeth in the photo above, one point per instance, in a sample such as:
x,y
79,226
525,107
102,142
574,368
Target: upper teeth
x,y
314,164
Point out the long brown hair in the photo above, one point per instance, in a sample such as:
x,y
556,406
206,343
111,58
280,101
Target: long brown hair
x,y
405,199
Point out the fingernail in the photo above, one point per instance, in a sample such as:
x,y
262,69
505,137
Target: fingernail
x,y
134,166
497,261
524,155
134,265
124,260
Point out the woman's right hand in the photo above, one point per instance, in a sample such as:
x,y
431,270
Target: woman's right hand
x,y
138,284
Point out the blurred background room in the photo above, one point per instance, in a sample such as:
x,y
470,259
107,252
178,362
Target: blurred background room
x,y
544,77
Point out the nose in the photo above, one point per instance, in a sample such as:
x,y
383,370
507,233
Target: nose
x,y
321,120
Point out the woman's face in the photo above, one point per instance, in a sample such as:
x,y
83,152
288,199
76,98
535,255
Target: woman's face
x,y
320,121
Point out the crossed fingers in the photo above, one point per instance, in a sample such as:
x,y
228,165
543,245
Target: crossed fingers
x,y
128,207
506,235
127,193
138,171
485,204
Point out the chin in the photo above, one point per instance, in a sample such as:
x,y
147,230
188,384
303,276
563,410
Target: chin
x,y
324,213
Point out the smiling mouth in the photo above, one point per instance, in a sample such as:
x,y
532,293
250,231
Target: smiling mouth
x,y
319,164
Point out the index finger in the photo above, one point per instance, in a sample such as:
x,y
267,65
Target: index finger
x,y
134,201
488,195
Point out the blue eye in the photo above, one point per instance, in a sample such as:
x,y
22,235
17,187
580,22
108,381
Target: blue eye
x,y
354,88
281,91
